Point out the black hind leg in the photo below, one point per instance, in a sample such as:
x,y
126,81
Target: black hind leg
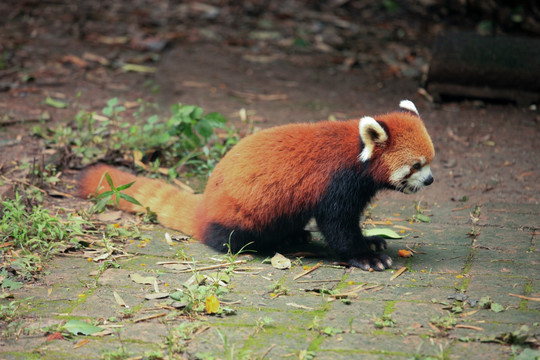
x,y
225,239
300,237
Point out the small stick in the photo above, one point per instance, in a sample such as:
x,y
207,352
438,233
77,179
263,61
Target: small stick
x,y
268,350
525,297
463,326
308,271
218,266
398,273
150,317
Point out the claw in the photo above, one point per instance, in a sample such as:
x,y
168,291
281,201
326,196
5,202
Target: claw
x,y
377,262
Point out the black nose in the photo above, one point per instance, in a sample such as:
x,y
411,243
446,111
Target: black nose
x,y
429,180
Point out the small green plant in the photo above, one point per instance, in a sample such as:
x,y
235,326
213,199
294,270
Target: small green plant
x,y
232,257
153,355
475,218
278,288
11,315
444,322
485,302
113,196
260,324
199,290
384,321
7,282
229,350
10,311
177,338
420,216
118,354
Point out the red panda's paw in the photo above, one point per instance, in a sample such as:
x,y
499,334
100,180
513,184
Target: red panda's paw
x,y
370,262
376,243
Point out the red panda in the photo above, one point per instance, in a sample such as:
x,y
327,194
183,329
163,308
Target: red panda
x,y
269,185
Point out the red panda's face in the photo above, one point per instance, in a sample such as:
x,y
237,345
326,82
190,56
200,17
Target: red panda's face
x,y
399,148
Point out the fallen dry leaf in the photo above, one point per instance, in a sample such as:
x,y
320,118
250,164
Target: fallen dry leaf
x,y
139,279
177,267
119,300
404,253
156,295
280,262
81,343
75,60
110,215
212,304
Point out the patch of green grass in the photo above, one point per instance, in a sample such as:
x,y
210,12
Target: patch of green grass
x,y
10,314
186,141
35,232
444,322
178,337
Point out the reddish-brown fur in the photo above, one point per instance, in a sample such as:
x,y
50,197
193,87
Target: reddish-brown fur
x,y
275,174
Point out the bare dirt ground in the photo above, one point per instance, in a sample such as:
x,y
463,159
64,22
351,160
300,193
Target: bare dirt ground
x,y
281,64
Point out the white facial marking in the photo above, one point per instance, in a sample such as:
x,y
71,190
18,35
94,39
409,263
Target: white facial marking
x,y
408,105
399,174
367,127
417,179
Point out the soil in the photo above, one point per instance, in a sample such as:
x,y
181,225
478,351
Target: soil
x,y
256,58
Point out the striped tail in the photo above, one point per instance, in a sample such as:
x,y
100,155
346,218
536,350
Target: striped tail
x,y
175,208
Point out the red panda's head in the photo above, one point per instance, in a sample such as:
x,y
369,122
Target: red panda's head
x,y
398,148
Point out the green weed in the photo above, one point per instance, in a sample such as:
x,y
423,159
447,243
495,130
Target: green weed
x,y
113,196
35,231
194,293
178,338
279,288
10,314
444,322
11,310
384,321
420,216
198,140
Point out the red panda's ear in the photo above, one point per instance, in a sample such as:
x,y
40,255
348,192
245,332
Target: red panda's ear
x,y
371,133
409,106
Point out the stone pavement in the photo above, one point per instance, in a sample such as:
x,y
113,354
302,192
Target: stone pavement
x,y
330,313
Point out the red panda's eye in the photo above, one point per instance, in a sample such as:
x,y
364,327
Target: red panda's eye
x,y
416,166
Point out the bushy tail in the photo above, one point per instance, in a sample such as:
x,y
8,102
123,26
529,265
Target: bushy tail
x,y
175,208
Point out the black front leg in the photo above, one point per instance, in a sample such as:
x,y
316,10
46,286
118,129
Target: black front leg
x,y
338,218
347,241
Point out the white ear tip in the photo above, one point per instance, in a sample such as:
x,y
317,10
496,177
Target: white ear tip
x,y
408,105
367,120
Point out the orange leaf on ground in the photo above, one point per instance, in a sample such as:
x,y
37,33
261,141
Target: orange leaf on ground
x,y
405,253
